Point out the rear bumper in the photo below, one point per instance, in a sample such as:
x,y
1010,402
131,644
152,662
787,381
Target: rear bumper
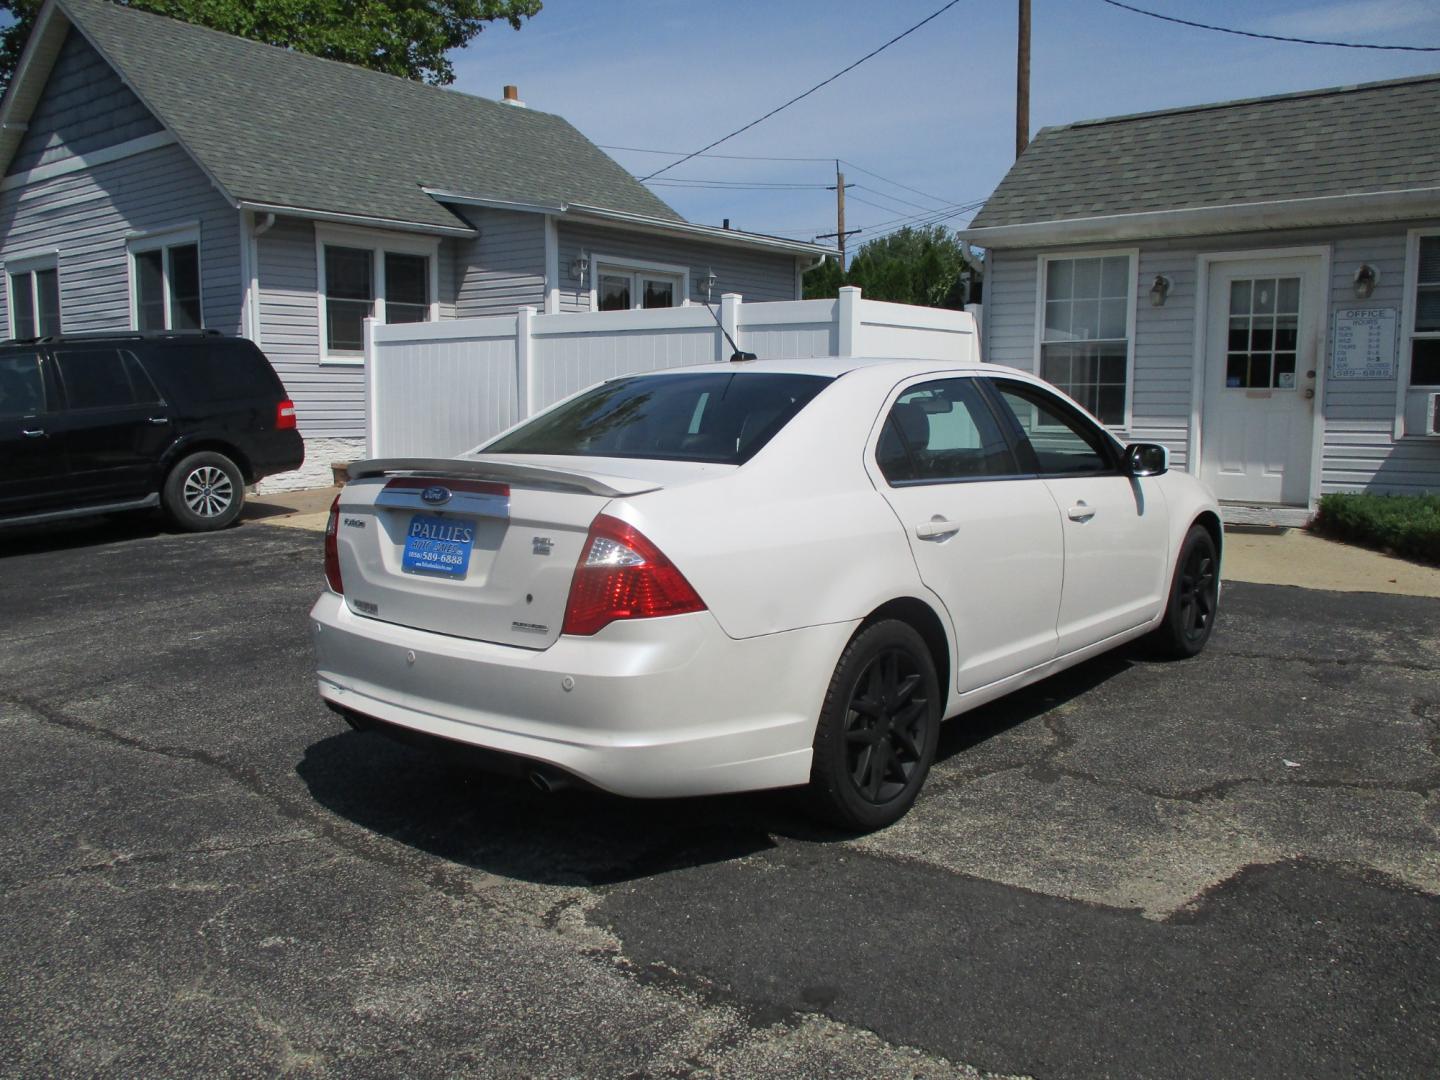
x,y
274,452
652,708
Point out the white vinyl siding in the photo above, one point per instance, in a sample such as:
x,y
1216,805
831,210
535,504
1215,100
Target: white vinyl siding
x,y
86,217
755,275
85,107
503,268
1360,449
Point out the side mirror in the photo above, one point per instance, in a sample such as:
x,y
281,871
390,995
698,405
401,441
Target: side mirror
x,y
1146,459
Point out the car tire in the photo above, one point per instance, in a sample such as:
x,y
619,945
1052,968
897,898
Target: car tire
x,y
204,492
1194,598
878,730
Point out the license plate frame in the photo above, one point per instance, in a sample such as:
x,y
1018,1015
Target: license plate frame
x,y
437,546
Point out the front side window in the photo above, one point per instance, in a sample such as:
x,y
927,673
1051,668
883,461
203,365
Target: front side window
x,y
714,417
361,282
35,302
1085,341
1425,340
942,431
623,289
167,286
1056,439
22,385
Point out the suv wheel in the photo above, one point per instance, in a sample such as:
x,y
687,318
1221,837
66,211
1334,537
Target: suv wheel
x,y
204,492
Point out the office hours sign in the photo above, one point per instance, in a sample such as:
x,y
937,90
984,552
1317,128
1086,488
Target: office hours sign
x,y
1364,344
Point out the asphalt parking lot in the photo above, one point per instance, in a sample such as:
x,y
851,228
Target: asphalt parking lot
x,y
1224,867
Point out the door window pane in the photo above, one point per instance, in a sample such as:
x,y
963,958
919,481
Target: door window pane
x,y
407,288
22,296
1058,441
150,289
1264,331
184,287
349,297
22,387
94,378
943,431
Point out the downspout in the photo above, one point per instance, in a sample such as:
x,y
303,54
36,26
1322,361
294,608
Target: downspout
x,y
257,230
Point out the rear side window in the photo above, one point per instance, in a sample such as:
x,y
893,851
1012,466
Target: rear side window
x,y
22,386
708,416
940,431
95,379
212,373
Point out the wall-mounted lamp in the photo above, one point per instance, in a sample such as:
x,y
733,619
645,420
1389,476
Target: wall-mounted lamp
x,y
1159,290
709,281
580,267
1366,278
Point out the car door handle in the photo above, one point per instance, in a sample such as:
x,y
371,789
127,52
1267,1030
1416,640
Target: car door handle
x,y
159,419
936,529
36,434
1080,512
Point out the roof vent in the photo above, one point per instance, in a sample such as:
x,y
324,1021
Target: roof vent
x,y
512,96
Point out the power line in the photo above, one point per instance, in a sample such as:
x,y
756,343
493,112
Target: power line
x,y
741,185
728,157
799,97
1270,37
887,180
892,198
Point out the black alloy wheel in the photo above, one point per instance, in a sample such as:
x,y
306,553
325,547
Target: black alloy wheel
x,y
1194,598
878,729
885,726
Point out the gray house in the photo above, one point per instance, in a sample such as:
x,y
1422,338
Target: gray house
x,y
159,175
1255,284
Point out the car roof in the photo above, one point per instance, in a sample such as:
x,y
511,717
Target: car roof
x,y
835,366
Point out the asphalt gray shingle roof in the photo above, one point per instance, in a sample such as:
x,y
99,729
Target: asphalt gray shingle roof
x,y
285,128
1346,140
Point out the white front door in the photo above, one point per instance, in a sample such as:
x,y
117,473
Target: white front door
x,y
1261,361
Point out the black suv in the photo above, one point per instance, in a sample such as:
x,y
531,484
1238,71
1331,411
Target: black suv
x,y
95,423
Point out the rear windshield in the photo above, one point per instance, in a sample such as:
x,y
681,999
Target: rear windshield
x,y
721,417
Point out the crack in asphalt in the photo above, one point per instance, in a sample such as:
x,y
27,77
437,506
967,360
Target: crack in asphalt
x,y
1329,661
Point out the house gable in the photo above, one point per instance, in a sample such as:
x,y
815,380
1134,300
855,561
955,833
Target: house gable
x,y
84,107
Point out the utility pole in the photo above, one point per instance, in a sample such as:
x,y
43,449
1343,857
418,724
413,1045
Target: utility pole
x,y
839,234
1022,81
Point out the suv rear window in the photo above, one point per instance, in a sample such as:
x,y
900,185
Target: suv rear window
x,y
212,371
720,417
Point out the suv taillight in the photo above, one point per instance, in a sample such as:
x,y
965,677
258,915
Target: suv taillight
x,y
622,575
332,549
285,415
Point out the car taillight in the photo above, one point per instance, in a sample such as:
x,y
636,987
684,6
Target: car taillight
x,y
332,549
285,415
622,575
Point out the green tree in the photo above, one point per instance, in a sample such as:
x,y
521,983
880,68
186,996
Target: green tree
x,y
409,38
925,266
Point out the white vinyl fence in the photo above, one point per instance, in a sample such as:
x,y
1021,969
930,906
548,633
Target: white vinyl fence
x,y
437,389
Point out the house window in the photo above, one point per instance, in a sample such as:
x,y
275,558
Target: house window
x,y
1425,338
626,288
361,277
35,301
1085,336
165,282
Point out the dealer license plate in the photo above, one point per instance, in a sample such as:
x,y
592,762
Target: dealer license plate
x,y
436,545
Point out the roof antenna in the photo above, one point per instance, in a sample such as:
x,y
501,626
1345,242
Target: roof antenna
x,y
737,356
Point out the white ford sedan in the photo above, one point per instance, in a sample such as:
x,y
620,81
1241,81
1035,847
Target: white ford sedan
x,y
759,575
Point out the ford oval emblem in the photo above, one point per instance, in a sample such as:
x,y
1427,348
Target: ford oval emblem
x,y
435,495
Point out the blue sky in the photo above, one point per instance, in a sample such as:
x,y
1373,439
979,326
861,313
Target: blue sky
x,y
934,112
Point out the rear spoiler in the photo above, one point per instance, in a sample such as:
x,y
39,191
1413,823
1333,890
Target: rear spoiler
x,y
504,472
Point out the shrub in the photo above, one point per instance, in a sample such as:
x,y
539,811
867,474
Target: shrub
x,y
1405,524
